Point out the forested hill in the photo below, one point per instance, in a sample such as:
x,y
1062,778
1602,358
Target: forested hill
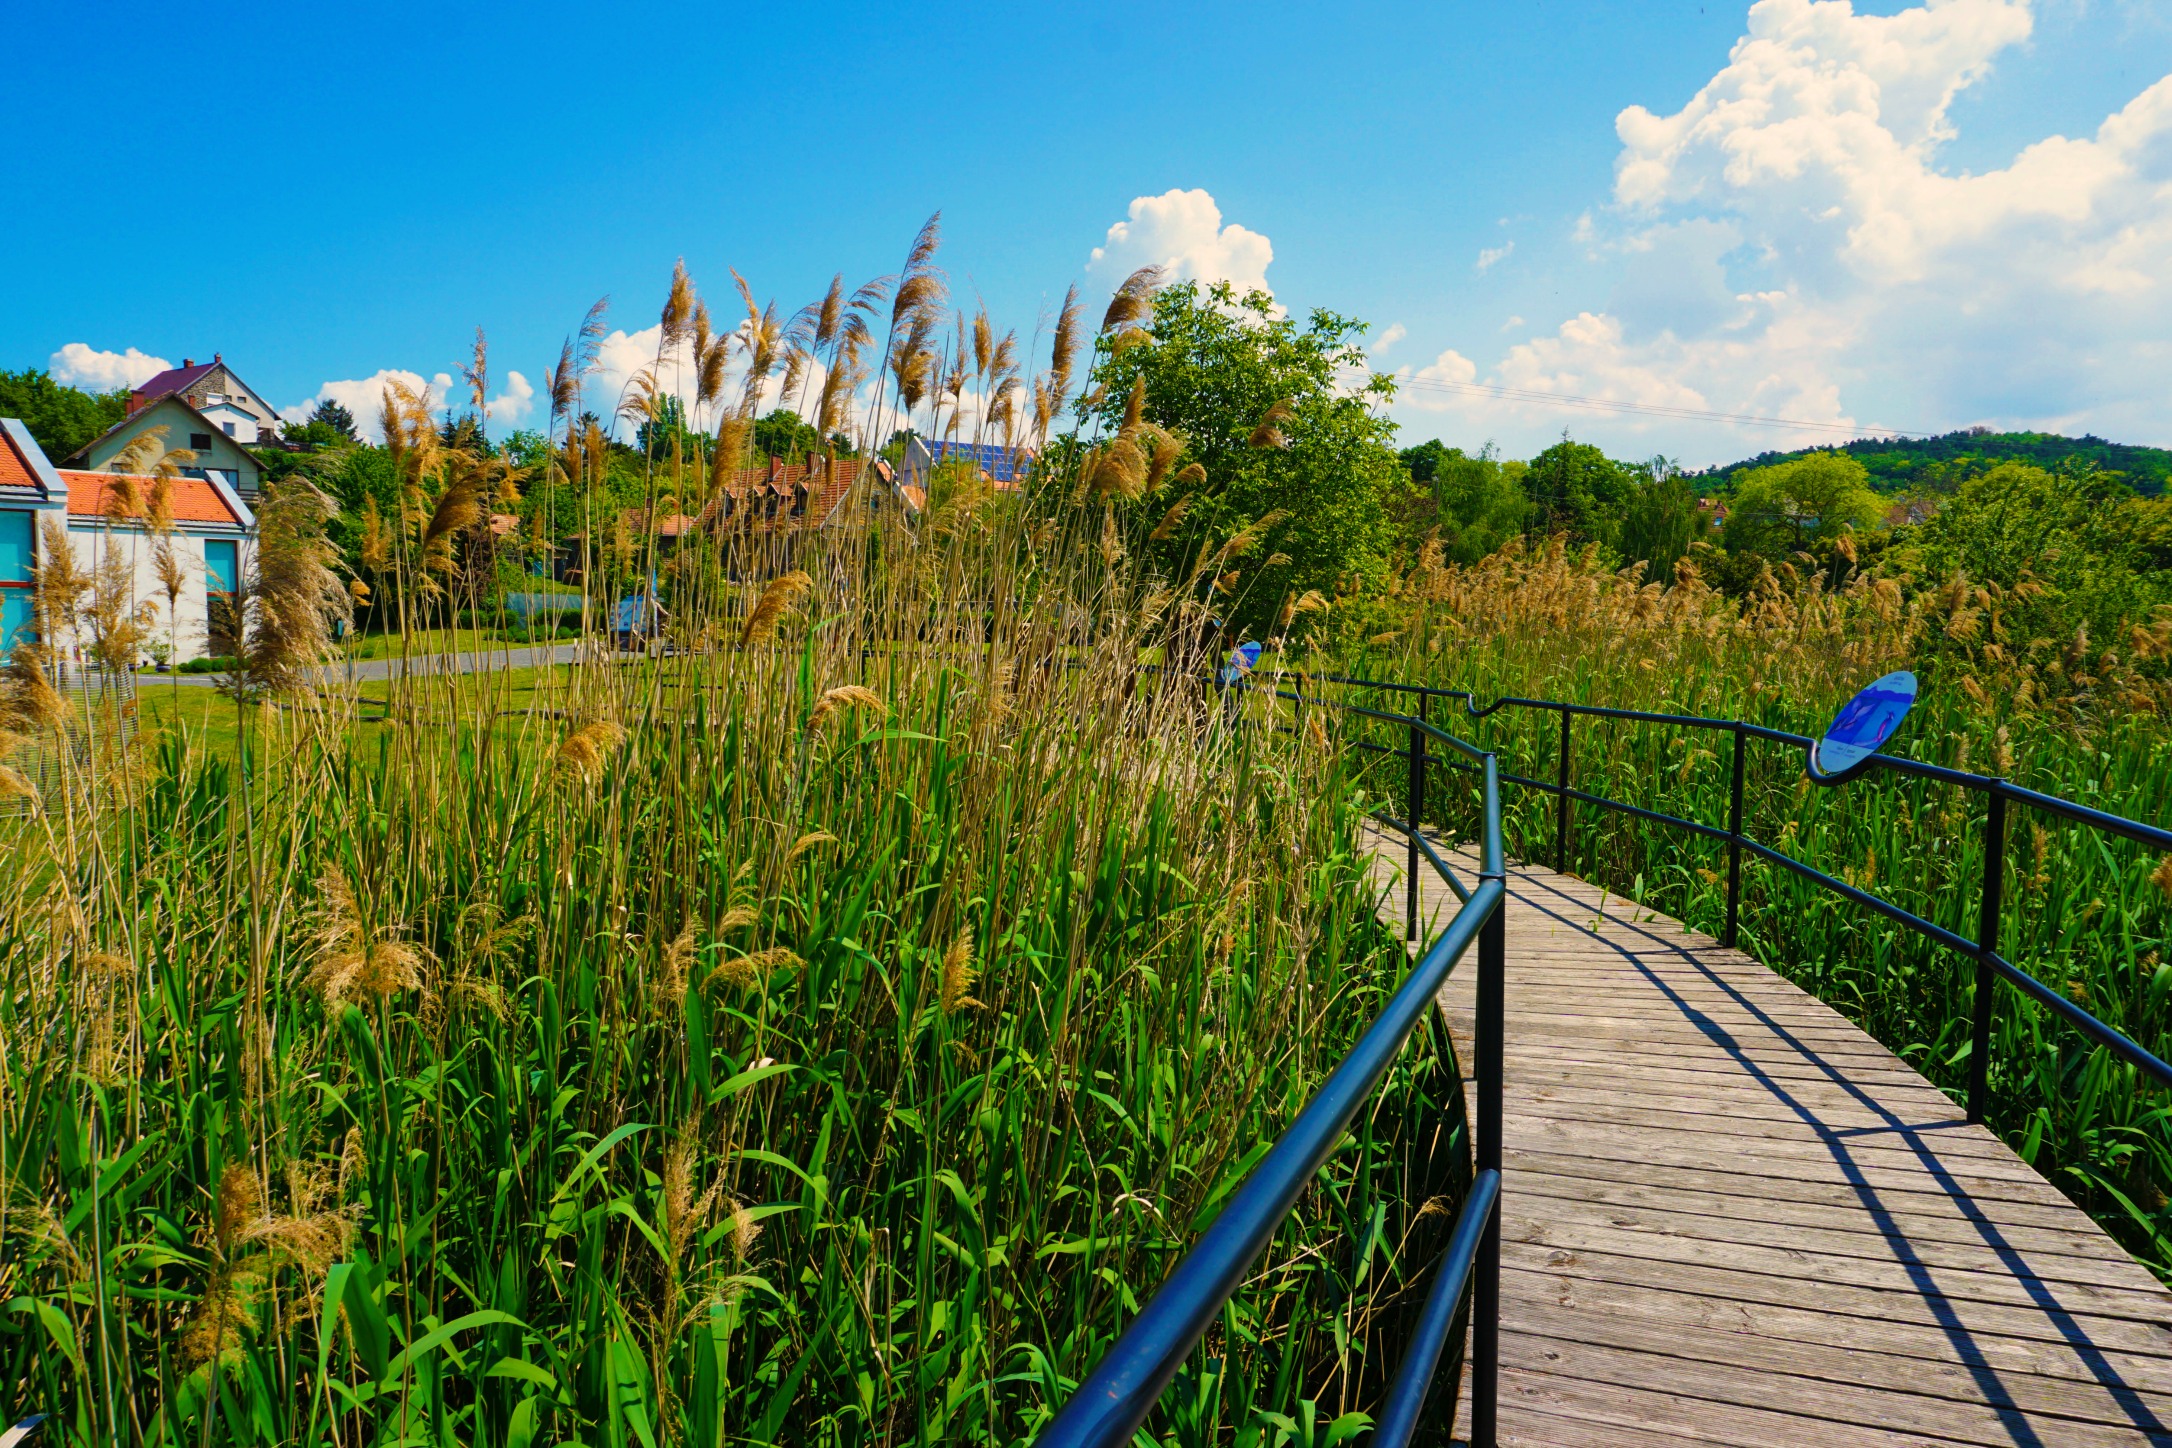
x,y
1899,464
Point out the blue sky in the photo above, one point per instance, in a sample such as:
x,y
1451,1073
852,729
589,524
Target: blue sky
x,y
1836,216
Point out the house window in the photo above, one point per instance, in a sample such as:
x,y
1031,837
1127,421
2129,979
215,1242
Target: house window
x,y
229,428
200,441
222,578
17,558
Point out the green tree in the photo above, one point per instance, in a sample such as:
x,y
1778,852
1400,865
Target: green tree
x,y
1424,460
1473,505
2097,550
336,417
785,434
1256,397
60,417
1795,505
1662,521
656,438
1578,490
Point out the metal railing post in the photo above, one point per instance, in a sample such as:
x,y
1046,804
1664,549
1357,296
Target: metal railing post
x,y
1417,813
1734,845
1987,947
1486,1288
1561,818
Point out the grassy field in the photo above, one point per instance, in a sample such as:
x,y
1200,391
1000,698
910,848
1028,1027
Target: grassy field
x,y
426,641
810,1040
2085,913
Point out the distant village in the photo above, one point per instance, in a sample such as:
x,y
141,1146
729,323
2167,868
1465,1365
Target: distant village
x,y
192,433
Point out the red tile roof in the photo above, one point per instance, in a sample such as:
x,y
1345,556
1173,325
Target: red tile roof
x,y
826,484
15,469
193,499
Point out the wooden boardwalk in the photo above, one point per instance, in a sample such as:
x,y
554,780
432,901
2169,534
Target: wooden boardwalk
x,y
1730,1216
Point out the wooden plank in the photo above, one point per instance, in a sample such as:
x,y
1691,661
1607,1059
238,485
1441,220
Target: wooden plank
x,y
1731,1216
1552,1274
1879,1173
1877,1240
1970,1343
1740,1398
1836,1212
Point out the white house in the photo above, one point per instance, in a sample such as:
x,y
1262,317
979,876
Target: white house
x,y
210,539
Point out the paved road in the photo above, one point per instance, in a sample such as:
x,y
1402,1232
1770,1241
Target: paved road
x,y
364,671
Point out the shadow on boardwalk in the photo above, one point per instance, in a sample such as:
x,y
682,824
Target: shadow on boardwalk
x,y
1730,1216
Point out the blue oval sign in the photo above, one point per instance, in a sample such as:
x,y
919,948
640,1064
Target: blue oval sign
x,y
1864,724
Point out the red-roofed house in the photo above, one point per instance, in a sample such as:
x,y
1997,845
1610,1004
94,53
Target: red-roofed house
x,y
205,409
210,539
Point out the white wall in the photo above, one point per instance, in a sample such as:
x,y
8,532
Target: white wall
x,y
244,421
137,550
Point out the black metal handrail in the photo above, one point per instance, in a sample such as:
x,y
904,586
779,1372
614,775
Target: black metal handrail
x,y
1999,793
1116,1397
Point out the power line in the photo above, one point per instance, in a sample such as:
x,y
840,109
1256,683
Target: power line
x,y
1647,409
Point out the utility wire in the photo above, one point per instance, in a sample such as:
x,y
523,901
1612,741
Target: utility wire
x,y
1648,409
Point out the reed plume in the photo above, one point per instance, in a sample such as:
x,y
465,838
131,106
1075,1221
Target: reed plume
x,y
295,596
476,372
1063,352
844,698
678,960
744,971
776,599
1268,433
582,753
959,975
348,961
1134,299
678,308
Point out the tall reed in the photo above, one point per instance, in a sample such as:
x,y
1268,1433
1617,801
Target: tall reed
x,y
2086,913
827,1033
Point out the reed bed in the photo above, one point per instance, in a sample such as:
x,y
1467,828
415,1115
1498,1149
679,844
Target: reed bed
x,y
2085,913
827,1034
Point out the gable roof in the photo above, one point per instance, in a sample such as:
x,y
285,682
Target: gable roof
x,y
172,380
23,463
826,483
217,433
188,374
194,500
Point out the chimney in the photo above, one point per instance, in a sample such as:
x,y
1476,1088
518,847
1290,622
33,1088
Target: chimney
x,y
216,357
188,361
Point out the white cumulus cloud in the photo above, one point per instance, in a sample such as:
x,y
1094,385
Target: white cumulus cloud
x,y
1791,242
81,365
364,397
1492,256
1183,231
1394,333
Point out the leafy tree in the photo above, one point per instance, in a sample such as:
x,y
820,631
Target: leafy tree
x,y
785,434
1793,505
1661,522
1578,490
60,417
1941,464
1473,505
656,438
1424,460
1257,399
2097,550
328,413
